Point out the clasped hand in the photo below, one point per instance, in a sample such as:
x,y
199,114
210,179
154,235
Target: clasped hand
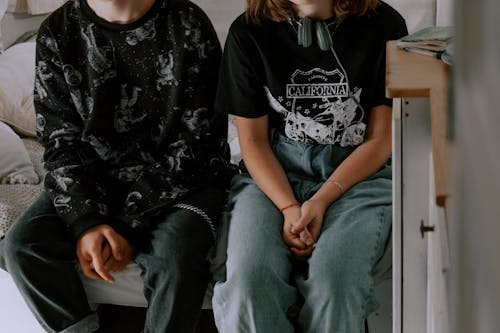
x,y
302,227
101,250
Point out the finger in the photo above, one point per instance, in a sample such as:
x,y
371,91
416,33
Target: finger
x,y
121,265
301,254
99,267
306,237
110,264
105,255
114,241
83,254
87,271
300,224
298,227
315,229
106,252
91,273
293,240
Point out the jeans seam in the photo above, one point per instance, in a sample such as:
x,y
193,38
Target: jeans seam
x,y
372,261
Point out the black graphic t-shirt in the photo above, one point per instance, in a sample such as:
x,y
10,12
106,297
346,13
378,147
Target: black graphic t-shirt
x,y
125,112
305,91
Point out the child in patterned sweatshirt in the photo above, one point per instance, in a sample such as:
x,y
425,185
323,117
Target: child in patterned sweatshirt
x,y
137,161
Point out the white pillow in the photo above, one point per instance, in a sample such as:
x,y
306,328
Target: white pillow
x,y
15,164
17,76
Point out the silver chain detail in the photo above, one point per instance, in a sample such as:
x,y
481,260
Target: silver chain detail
x,y
202,214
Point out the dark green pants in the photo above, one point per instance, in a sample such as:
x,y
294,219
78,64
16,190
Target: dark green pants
x,y
40,255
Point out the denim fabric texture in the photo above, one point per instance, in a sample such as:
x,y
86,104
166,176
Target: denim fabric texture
x,y
39,253
265,289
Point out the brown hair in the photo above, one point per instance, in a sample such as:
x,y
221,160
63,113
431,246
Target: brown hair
x,y
279,10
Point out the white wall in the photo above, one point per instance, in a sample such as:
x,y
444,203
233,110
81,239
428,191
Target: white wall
x,y
222,13
475,219
3,8
13,26
444,12
418,13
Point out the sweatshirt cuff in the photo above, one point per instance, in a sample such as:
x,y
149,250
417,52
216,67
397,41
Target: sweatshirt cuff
x,y
135,237
82,224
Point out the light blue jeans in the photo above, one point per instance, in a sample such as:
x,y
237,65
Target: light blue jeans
x,y
264,289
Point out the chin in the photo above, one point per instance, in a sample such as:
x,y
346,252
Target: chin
x,y
302,2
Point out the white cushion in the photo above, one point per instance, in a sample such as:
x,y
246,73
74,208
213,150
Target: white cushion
x,y
15,164
17,76
127,289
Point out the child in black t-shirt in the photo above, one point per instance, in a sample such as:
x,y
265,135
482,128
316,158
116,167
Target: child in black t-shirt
x,y
311,214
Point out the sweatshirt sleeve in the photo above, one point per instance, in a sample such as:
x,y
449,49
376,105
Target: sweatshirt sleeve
x,y
72,181
203,128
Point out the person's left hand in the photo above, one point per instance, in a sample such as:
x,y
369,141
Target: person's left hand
x,y
101,250
309,226
117,244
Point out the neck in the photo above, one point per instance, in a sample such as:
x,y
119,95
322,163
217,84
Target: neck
x,y
314,9
120,11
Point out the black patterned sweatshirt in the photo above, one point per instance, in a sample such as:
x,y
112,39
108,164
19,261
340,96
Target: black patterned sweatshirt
x,y
125,113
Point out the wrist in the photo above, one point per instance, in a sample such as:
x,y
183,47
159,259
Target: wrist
x,y
340,188
321,203
291,205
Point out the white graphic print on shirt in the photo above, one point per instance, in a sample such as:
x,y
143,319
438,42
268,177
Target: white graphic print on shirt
x,y
319,109
147,31
97,56
62,203
164,68
43,74
126,115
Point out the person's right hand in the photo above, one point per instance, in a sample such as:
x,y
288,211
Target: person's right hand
x,y
98,245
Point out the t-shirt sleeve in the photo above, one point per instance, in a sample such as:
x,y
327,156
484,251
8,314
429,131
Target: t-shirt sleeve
x,y
397,31
240,90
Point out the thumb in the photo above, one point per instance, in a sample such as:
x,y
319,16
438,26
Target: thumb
x,y
306,237
299,226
